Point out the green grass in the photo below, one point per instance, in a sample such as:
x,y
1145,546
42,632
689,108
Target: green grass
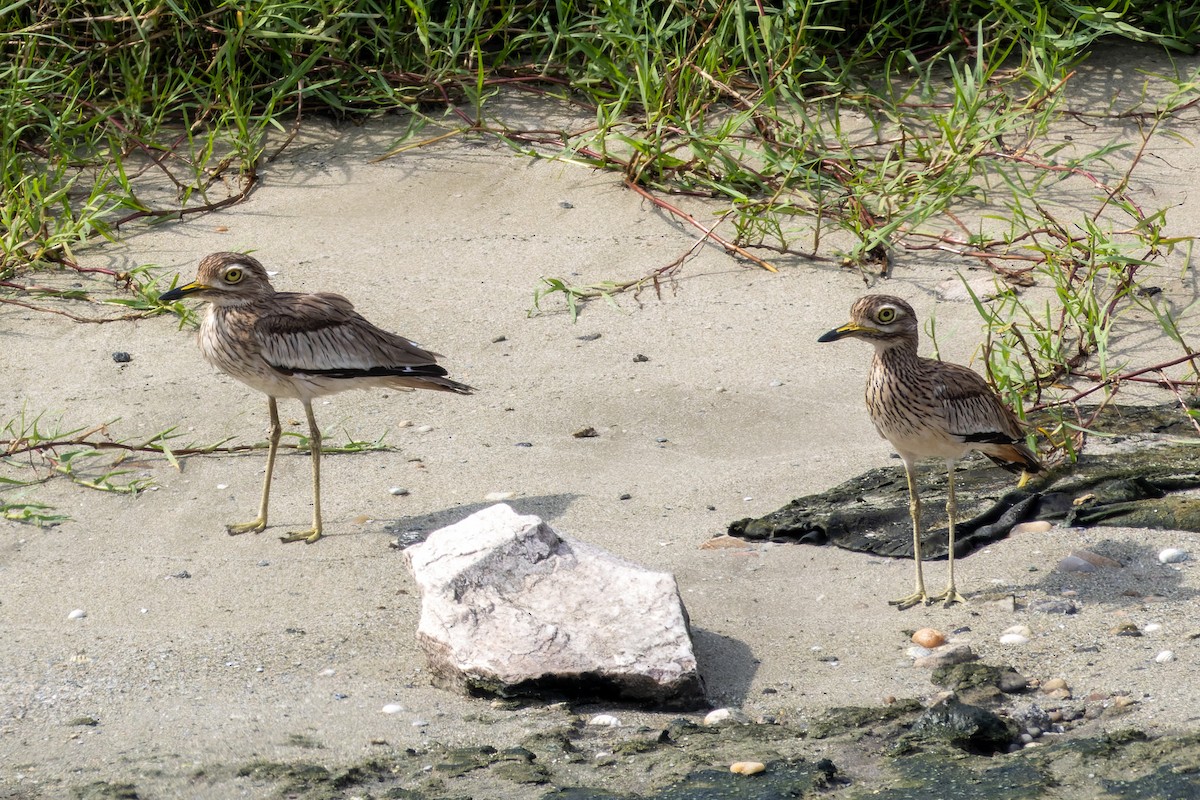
x,y
803,131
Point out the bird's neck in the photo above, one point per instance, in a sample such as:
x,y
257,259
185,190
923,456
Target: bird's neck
x,y
896,354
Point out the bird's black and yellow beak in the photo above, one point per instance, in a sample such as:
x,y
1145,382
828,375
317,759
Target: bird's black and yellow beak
x,y
180,292
849,329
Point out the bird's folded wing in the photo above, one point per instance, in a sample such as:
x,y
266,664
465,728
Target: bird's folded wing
x,y
972,410
323,334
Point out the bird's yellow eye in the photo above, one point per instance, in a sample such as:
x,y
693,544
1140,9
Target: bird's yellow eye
x,y
233,275
886,314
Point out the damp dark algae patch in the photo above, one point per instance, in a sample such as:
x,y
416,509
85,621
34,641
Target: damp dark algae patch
x,y
898,752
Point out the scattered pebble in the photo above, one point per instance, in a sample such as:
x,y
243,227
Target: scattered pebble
x,y
624,496
588,337
1022,630
496,497
1013,639
661,439
1053,606
1086,561
424,428
717,716
747,767
1153,627
121,357
640,359
1172,555
499,339
398,491
1126,628
586,433
78,613
183,574
420,723
264,563
929,638
222,485
776,384
392,708
565,204
524,444
1033,526
328,672
605,720
1164,657
945,655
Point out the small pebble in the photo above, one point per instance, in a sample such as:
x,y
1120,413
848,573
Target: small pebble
x,y
420,723
424,428
1023,630
1172,555
222,485
78,613
499,339
717,716
747,767
945,655
1033,526
586,433
661,439
328,672
1153,627
1125,628
640,359
605,720
624,496
392,708
1053,606
929,638
1013,639
182,574
121,357
524,444
496,497
565,204
1164,657
398,491
264,563
776,384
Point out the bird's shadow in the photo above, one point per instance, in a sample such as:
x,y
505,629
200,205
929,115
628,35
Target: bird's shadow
x,y
416,529
1140,575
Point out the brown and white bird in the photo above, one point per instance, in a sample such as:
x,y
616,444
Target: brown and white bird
x,y
930,409
300,346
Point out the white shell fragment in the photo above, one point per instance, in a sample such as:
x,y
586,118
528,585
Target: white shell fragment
x,y
398,491
717,716
392,708
1172,555
1165,657
747,767
605,720
78,613
497,497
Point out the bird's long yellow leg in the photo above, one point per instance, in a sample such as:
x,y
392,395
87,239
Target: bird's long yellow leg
x,y
951,595
914,509
314,440
260,522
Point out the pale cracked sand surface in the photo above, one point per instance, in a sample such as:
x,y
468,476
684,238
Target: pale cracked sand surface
x,y
283,653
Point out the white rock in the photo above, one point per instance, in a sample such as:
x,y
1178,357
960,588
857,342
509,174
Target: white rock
x,y
78,613
398,491
605,720
1152,627
509,605
1172,555
1020,630
1013,639
392,708
496,497
717,716
1164,657
424,428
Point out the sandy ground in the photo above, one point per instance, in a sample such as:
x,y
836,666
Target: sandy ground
x,y
283,652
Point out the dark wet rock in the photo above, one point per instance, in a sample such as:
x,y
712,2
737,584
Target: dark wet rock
x,y
837,721
511,607
121,357
971,728
869,513
979,682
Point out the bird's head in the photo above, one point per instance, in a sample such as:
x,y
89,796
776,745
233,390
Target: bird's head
x,y
225,279
881,319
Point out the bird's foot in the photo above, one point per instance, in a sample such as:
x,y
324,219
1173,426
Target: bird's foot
x,y
948,597
246,527
913,599
310,536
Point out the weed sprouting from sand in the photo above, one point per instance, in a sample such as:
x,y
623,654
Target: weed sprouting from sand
x,y
842,136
